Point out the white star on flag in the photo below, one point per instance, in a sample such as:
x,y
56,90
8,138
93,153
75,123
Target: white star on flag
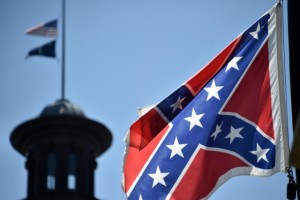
x,y
234,133
140,197
158,177
255,33
176,148
260,153
233,63
217,131
194,119
177,105
213,91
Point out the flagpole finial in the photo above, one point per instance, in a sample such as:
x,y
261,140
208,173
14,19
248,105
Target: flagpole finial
x,y
278,4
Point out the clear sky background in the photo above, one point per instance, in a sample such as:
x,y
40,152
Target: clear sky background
x,y
120,55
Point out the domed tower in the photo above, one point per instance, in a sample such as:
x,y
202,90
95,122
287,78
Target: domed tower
x,y
61,146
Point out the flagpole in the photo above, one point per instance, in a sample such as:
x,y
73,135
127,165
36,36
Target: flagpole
x,y
63,50
294,60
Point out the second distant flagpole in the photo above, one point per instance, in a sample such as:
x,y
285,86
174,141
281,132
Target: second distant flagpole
x,y
63,50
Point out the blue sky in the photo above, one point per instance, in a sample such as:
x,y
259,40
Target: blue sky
x,y
120,55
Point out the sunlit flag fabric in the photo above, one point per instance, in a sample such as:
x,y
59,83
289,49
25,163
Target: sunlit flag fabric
x,y
44,29
47,50
228,119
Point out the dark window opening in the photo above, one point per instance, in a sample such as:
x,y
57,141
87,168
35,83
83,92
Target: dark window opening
x,y
51,168
72,171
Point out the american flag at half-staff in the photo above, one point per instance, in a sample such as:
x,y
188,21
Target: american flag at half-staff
x,y
228,119
48,29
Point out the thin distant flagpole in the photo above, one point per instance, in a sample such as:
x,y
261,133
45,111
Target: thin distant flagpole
x,y
63,26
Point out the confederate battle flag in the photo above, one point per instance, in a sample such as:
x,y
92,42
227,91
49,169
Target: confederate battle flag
x,y
228,119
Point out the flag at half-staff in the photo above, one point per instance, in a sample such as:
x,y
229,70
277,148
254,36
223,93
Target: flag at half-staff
x,y
229,119
44,29
47,50
48,29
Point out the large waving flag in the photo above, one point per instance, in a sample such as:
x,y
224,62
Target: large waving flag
x,y
44,29
228,119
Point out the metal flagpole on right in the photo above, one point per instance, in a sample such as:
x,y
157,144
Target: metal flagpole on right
x,y
294,60
63,27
